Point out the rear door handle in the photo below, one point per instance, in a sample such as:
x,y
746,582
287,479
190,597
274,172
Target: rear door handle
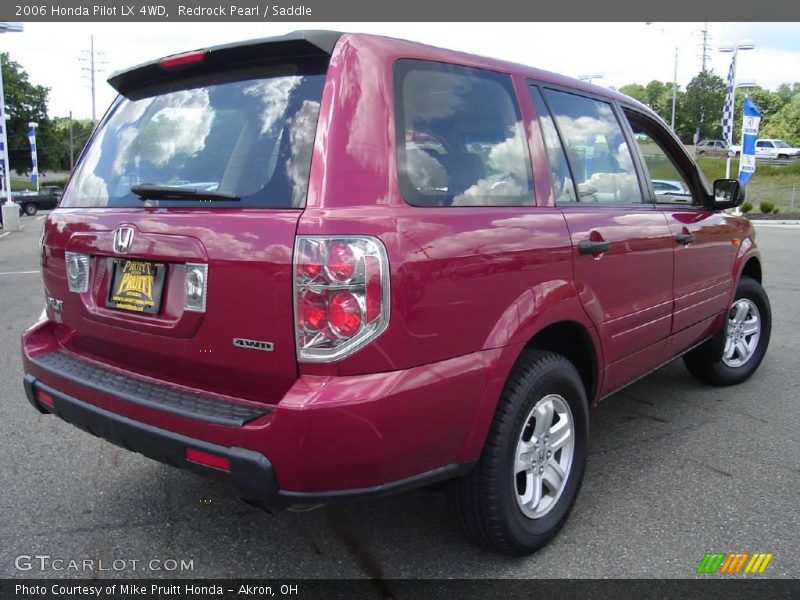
x,y
684,238
592,247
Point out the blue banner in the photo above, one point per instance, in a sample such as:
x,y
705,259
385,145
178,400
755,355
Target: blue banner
x,y
750,123
34,161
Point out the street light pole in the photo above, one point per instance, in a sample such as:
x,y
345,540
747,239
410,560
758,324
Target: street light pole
x,y
4,141
674,90
674,76
9,210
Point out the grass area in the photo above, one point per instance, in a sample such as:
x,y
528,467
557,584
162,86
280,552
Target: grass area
x,y
779,185
21,184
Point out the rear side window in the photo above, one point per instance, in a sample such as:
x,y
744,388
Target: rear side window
x,y
601,161
563,186
247,133
460,139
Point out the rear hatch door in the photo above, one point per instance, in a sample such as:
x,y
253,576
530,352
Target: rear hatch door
x,y
184,207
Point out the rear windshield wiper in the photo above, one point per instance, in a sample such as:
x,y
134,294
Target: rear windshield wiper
x,y
147,191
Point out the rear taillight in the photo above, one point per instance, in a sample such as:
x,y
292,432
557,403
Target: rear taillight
x,y
341,295
77,271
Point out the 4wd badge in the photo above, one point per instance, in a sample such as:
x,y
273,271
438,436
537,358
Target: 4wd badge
x,y
253,344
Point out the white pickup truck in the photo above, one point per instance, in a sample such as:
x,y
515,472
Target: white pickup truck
x,y
771,148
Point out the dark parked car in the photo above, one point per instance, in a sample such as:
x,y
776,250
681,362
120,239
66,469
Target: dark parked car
x,y
328,266
46,199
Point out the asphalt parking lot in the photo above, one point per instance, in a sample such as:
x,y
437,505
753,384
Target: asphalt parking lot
x,y
676,469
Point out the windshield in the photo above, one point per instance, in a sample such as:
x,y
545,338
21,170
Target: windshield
x,y
780,144
246,135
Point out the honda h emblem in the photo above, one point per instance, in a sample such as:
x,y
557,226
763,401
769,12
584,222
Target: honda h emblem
x,y
123,238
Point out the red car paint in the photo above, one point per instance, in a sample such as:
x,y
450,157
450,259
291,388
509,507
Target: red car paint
x,y
470,287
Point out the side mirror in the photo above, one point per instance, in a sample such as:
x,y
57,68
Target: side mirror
x,y
728,193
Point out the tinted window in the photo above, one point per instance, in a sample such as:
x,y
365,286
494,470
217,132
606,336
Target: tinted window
x,y
460,137
563,186
247,133
598,153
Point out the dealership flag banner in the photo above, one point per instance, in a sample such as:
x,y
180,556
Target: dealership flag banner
x,y
750,123
727,109
2,139
34,165
2,146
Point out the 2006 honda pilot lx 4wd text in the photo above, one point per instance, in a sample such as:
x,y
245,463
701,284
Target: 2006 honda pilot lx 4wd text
x,y
326,266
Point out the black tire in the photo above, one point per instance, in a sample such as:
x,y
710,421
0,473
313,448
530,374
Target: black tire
x,y
485,500
30,209
706,361
782,157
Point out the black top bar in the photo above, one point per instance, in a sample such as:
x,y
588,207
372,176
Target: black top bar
x,y
297,44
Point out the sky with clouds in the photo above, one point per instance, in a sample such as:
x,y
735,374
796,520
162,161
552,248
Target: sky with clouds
x,y
622,52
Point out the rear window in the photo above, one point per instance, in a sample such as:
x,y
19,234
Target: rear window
x,y
460,139
247,133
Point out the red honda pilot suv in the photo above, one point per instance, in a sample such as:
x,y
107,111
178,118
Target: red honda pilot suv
x,y
326,266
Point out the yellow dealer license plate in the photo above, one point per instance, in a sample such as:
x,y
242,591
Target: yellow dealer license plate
x,y
136,285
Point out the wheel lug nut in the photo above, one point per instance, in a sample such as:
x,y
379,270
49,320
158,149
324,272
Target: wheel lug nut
x,y
541,470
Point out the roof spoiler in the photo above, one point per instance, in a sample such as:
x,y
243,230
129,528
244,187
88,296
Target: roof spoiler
x,y
297,44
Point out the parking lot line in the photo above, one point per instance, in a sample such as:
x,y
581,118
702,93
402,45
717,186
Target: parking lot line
x,y
20,273
4,234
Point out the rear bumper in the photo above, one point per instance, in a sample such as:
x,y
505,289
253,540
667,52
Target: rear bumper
x,y
329,438
250,473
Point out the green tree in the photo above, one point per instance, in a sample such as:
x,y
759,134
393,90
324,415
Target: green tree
x,y
787,91
785,124
25,103
636,91
701,106
769,103
656,95
81,130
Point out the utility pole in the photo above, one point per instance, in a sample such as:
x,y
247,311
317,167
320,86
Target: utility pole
x,y
94,102
71,144
94,66
705,56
